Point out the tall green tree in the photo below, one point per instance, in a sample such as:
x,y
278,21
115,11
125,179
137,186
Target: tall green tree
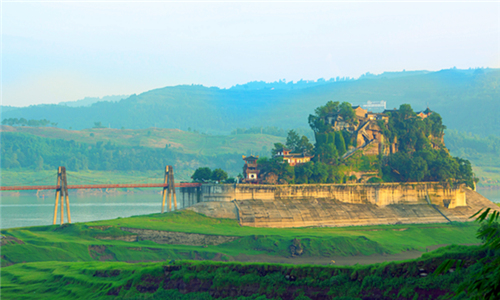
x,y
202,174
218,175
347,113
292,140
277,147
340,143
304,146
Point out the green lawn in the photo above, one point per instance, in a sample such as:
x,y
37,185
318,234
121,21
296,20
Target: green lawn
x,y
79,242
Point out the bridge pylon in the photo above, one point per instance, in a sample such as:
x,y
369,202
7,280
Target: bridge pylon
x,y
169,190
62,193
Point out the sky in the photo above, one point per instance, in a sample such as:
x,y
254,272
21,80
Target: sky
x,y
65,51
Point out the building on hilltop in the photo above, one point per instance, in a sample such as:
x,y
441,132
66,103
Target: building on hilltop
x,y
250,171
338,123
425,113
293,158
360,112
375,104
368,134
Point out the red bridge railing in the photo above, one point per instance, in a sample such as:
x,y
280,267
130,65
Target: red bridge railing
x,y
95,186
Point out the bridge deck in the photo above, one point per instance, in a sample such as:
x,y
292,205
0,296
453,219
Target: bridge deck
x,y
95,186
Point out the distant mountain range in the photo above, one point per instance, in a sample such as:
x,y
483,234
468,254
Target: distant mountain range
x,y
88,101
468,100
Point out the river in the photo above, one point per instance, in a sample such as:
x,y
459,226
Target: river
x,y
21,211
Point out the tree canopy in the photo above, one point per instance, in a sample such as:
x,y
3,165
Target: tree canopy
x,y
218,175
202,174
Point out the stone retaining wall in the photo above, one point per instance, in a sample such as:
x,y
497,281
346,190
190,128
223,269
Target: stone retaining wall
x,y
377,194
303,212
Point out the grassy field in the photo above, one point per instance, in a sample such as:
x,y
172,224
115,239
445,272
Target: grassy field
x,y
104,240
94,260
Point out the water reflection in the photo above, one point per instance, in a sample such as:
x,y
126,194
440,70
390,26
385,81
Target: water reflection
x,y
32,211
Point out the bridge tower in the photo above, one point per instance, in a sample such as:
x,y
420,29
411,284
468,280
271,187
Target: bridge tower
x,y
62,193
169,190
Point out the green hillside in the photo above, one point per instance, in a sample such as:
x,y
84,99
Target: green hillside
x,y
175,139
189,150
466,100
483,152
108,155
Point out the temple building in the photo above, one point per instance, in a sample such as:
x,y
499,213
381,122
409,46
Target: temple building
x,y
425,113
250,171
293,158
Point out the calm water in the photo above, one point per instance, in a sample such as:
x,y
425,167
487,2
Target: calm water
x,y
493,195
32,211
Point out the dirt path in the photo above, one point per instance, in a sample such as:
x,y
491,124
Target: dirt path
x,y
339,260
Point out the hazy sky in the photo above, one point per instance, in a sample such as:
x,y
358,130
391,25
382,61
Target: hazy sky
x,y
56,51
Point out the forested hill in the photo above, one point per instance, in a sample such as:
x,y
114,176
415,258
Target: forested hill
x,y
468,100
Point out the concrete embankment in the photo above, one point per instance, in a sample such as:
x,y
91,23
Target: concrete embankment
x,y
340,205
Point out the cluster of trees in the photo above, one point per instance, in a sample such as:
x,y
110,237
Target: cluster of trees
x,y
331,145
205,174
484,151
276,172
282,84
472,144
24,122
421,156
427,165
344,110
412,132
25,151
295,143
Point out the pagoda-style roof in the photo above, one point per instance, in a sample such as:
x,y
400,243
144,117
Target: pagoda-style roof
x,y
297,155
251,157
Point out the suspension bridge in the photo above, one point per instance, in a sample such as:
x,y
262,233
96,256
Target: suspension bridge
x,y
62,187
